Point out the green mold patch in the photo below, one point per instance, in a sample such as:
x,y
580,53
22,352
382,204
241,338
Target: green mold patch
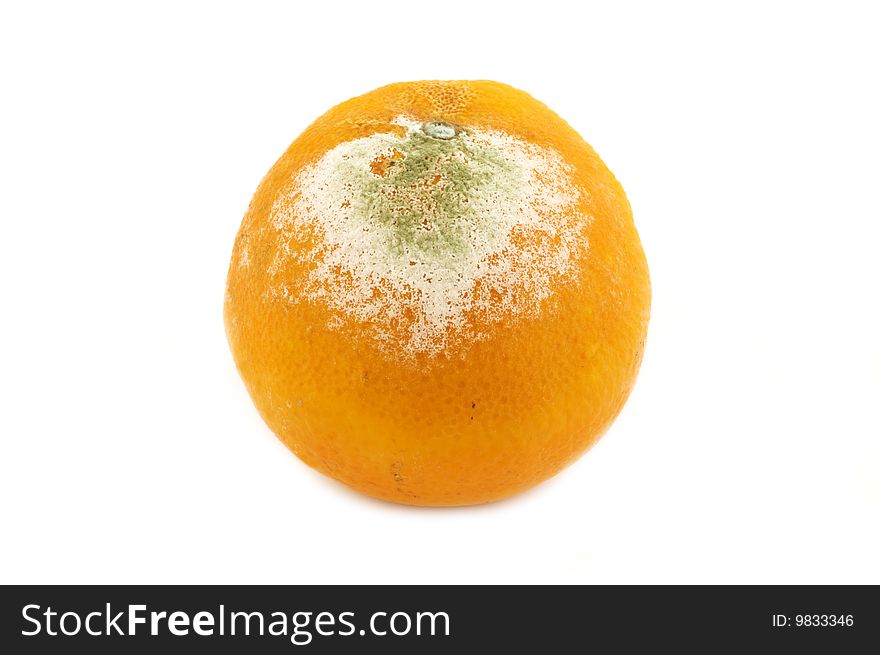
x,y
425,194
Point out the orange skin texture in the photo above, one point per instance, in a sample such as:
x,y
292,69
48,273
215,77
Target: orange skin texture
x,y
496,416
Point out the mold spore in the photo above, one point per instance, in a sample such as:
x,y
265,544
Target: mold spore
x,y
429,237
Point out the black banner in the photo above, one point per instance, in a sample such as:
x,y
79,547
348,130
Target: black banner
x,y
251,619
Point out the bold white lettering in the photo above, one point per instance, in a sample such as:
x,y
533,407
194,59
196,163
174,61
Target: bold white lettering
x,y
155,617
134,619
178,623
203,624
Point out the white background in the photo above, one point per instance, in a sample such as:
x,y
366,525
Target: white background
x,y
747,139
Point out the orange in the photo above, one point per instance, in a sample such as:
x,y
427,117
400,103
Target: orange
x,y
437,295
